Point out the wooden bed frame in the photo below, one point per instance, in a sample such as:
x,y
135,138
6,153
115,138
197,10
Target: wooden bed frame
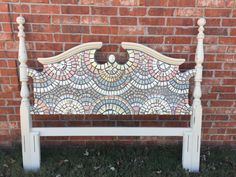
x,y
74,83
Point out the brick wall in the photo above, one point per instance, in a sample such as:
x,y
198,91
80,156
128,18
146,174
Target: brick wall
x,y
168,26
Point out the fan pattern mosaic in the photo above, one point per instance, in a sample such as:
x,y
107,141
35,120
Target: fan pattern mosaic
x,y
79,85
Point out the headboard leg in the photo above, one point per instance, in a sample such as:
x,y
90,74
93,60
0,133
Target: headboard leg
x,y
30,141
194,137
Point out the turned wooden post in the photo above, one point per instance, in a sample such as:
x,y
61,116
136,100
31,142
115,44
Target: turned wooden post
x,y
196,121
30,140
192,140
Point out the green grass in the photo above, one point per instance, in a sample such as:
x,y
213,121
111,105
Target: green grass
x,y
119,161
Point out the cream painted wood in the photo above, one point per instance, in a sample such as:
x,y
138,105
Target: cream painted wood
x,y
191,157
153,53
70,52
111,131
31,136
30,140
186,150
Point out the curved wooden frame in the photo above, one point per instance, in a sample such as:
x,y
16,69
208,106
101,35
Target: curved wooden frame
x,y
153,53
72,51
31,136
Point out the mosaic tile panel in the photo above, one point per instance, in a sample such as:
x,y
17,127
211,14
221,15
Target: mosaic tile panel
x,y
79,85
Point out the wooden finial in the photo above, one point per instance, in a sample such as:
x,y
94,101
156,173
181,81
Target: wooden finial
x,y
201,22
21,21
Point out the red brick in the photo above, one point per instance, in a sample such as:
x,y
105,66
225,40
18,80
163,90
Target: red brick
x,y
20,8
227,40
181,3
217,117
4,125
2,44
67,38
229,22
104,10
96,20
125,2
75,10
65,19
49,46
233,32
161,12
64,2
7,110
8,72
153,2
123,21
95,2
211,81
189,12
131,30
110,48
230,3
226,96
212,65
225,74
218,12
225,57
213,22
94,38
45,9
224,124
47,28
150,40
230,66
79,123
216,31
160,30
231,131
182,49
152,21
219,103
39,37
103,123
132,11
179,22
215,49
8,54
6,88
177,40
119,39
5,80
128,123
186,31
36,1
229,82
211,3
223,89
104,30
75,29
3,63
37,18
12,45
6,36
7,27
4,7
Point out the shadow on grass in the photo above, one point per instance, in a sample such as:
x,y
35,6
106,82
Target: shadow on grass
x,y
119,161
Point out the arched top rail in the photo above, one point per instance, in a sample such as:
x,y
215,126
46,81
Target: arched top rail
x,y
153,53
70,52
98,45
